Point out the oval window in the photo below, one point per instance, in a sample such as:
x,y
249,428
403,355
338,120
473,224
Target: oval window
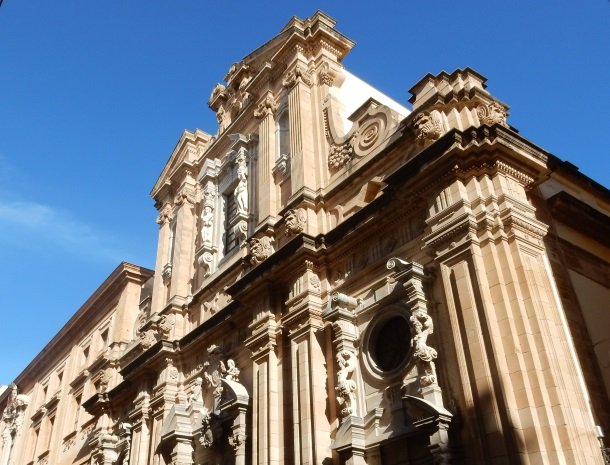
x,y
390,344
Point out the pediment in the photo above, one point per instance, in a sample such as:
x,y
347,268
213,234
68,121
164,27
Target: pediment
x,y
188,151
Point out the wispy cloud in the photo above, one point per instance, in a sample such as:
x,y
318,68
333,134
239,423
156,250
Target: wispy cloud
x,y
30,221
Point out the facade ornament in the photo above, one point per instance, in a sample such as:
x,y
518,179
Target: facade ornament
x,y
14,412
216,368
260,249
205,261
185,197
216,92
237,439
166,215
196,392
104,379
207,213
425,355
326,76
428,127
221,117
267,107
167,323
339,155
295,221
166,273
148,339
241,191
492,113
346,386
297,74
211,430
242,231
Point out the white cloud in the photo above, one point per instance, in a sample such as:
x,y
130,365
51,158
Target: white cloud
x,y
24,220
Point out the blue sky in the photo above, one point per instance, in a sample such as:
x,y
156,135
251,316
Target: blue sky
x,y
94,96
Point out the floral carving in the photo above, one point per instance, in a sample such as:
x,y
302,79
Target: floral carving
x,y
260,249
492,113
427,127
295,221
339,155
346,386
267,107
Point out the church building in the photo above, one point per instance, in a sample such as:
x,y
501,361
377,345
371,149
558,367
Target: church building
x,y
340,279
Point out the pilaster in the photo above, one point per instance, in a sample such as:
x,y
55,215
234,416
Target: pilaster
x,y
513,349
265,378
266,155
298,82
163,265
303,322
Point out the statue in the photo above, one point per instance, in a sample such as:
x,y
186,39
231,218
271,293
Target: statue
x,y
196,392
241,191
207,224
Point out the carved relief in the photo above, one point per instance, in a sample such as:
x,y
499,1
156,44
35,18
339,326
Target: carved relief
x,y
196,392
267,107
297,74
346,386
492,113
216,368
422,323
207,213
148,339
205,261
326,76
295,221
428,127
13,414
167,323
260,249
339,155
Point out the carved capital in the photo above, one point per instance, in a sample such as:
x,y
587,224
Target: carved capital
x,y
295,220
296,75
166,215
267,107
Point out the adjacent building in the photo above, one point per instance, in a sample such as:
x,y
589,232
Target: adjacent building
x,y
340,280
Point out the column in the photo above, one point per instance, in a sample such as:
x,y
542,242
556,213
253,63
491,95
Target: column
x,y
165,219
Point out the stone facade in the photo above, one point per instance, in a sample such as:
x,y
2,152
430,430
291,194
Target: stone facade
x,y
340,280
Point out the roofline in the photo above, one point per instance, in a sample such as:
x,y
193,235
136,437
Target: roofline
x,y
123,273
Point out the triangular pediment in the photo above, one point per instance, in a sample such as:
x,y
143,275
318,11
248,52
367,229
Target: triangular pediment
x,y
188,151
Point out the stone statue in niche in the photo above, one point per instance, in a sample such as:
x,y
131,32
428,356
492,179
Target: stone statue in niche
x,y
207,224
346,387
241,191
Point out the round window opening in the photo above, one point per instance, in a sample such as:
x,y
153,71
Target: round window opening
x,y
390,344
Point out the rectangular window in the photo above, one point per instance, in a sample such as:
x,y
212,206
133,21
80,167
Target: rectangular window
x,y
231,239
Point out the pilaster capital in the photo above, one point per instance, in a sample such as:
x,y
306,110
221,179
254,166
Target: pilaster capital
x,y
298,74
267,107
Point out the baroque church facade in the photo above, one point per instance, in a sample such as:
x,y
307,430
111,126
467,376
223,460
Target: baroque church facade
x,y
340,280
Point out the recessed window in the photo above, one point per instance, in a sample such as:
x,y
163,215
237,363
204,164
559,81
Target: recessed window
x,y
390,343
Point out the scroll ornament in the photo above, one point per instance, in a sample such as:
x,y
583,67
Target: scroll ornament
x,y
492,113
